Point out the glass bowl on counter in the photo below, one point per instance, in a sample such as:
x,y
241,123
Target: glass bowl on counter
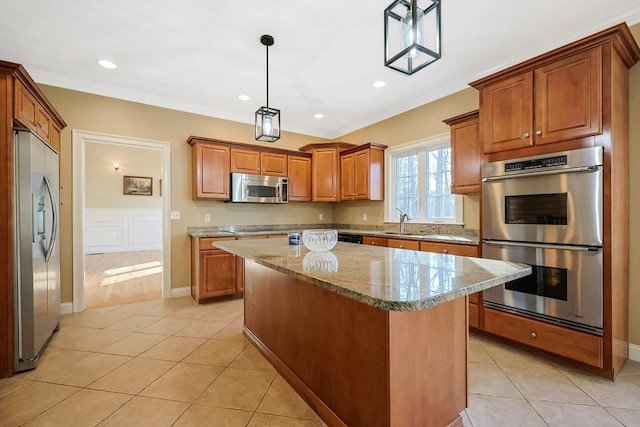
x,y
319,240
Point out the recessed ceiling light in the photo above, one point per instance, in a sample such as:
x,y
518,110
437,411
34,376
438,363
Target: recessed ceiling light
x,y
107,64
379,84
319,116
244,97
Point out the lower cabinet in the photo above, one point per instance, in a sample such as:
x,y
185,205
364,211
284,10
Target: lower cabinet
x,y
579,346
214,272
412,245
375,241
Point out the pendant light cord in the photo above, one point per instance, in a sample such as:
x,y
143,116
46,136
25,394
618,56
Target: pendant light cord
x,y
267,46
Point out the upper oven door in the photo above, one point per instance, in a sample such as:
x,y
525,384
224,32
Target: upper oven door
x,y
555,205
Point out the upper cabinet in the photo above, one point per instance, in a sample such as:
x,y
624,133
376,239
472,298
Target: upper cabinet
x,y
466,153
210,171
559,101
299,178
250,161
325,158
33,111
362,173
214,160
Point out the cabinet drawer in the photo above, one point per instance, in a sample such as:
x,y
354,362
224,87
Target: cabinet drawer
x,y
375,241
579,346
474,298
449,248
207,243
413,245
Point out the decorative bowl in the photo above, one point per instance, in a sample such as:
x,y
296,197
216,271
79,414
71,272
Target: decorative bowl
x,y
319,240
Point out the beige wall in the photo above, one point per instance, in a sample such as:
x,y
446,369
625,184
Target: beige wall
x,y
83,111
104,186
99,114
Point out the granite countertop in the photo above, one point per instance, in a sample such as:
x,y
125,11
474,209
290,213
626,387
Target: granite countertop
x,y
205,232
389,279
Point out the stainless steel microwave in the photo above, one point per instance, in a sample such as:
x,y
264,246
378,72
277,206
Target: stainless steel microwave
x,y
247,188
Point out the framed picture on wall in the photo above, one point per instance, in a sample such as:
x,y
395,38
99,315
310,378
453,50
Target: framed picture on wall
x,y
138,185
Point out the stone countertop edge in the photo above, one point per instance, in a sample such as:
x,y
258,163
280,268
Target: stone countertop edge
x,y
374,233
333,283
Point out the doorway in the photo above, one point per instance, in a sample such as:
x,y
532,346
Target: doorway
x,y
121,246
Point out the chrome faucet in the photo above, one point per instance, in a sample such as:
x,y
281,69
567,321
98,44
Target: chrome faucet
x,y
403,217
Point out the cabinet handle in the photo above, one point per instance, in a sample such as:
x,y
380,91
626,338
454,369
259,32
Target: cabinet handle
x,y
212,244
373,243
526,135
538,132
445,251
533,335
401,247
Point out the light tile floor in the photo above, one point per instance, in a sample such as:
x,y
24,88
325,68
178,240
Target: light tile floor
x,y
174,363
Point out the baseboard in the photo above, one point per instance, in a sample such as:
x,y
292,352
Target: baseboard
x,y
66,308
634,352
181,292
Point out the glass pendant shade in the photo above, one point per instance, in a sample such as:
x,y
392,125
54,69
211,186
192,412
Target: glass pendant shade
x,y
267,124
411,34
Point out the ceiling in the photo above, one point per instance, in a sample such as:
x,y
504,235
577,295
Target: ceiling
x,y
198,56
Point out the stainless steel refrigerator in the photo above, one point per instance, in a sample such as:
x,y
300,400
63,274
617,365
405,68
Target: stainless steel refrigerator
x,y
37,251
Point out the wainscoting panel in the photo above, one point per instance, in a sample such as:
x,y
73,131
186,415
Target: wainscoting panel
x,y
122,230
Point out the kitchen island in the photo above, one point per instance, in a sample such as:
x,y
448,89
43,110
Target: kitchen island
x,y
368,336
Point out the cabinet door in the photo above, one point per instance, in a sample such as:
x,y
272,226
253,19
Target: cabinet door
x,y
299,178
26,106
54,138
568,98
506,114
466,157
361,175
347,176
273,164
210,172
449,249
325,175
245,161
217,274
43,123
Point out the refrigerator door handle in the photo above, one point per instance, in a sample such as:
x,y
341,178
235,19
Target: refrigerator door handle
x,y
54,219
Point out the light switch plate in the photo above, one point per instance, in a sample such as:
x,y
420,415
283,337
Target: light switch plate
x,y
207,217
320,216
364,217
175,214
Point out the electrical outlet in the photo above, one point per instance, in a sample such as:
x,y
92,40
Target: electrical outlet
x,y
207,217
320,216
175,214
364,217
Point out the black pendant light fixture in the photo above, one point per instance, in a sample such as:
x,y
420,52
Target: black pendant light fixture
x,y
411,34
267,118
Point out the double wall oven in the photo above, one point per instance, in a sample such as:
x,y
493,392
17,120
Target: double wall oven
x,y
546,211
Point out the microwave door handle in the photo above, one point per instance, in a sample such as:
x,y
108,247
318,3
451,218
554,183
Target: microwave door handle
x,y
581,169
543,246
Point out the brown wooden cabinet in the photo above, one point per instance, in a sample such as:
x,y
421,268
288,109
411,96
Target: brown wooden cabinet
x,y
325,170
35,115
449,248
578,96
466,153
245,161
299,168
214,272
375,241
210,171
558,101
362,173
274,164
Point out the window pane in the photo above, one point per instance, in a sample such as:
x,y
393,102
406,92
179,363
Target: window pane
x,y
407,184
439,201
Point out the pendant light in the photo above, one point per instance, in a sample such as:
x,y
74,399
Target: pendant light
x,y
267,118
411,34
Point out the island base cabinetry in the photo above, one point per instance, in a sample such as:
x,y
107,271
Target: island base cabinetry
x,y
214,272
357,365
575,345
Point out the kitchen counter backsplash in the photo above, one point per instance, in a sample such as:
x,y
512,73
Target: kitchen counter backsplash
x,y
416,229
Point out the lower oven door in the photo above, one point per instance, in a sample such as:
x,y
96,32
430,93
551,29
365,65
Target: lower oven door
x,y
565,285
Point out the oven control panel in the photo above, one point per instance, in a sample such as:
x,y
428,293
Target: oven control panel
x,y
536,163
